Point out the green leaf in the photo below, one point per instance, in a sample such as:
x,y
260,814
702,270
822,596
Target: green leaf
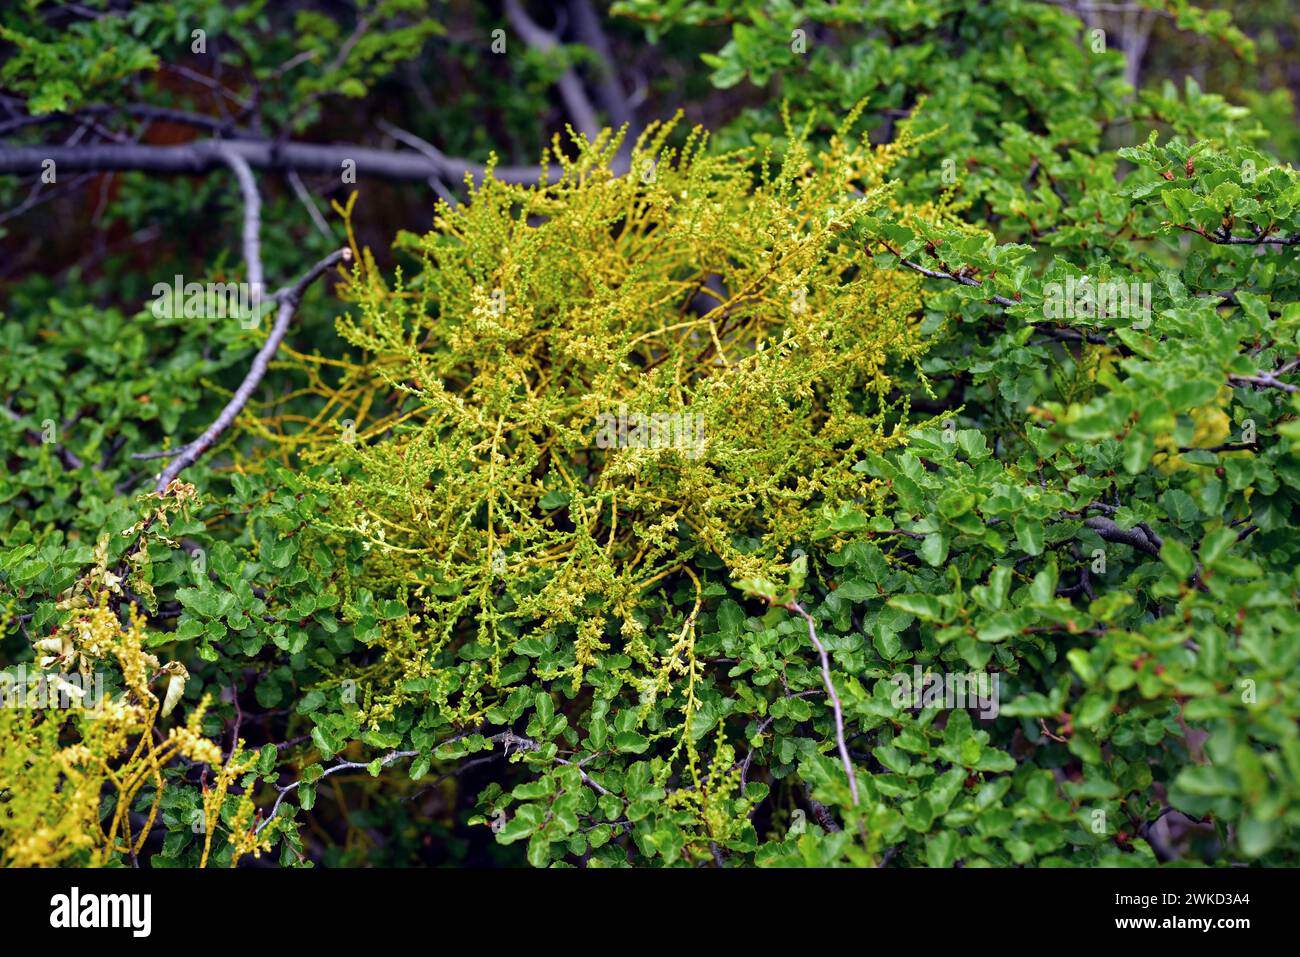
x,y
926,607
630,742
266,759
1029,535
1178,557
934,548
941,849
1257,837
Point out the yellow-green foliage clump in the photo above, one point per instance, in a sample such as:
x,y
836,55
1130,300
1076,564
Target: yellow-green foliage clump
x,y
725,304
74,759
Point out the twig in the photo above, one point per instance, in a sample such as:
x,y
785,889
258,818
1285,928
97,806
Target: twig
x,y
145,111
384,762
795,607
305,198
239,717
70,460
1224,447
1224,238
1048,329
428,149
1265,380
939,274
820,811
424,147
156,454
1046,733
39,196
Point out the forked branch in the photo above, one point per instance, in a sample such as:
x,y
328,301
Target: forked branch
x,y
287,300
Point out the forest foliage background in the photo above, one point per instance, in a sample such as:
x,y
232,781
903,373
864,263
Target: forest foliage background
x,y
621,408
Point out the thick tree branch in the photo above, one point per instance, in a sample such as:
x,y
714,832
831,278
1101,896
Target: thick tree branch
x,y
1134,537
576,102
608,89
204,155
252,243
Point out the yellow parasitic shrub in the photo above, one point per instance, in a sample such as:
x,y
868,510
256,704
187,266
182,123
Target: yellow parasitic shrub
x,y
599,382
70,776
